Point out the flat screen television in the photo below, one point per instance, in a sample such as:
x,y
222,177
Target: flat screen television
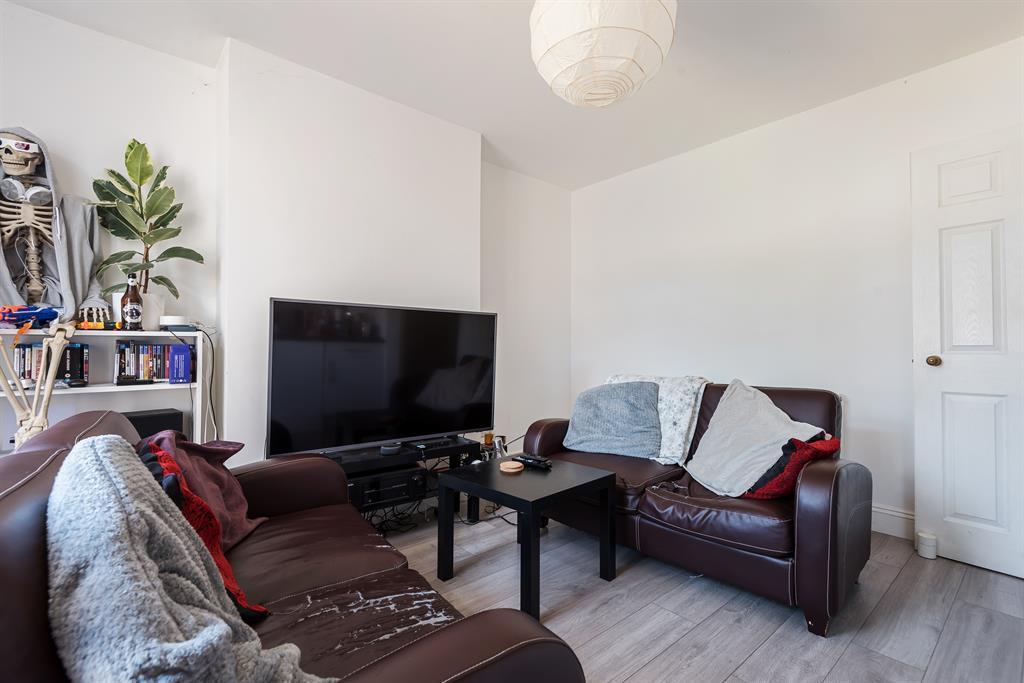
x,y
344,376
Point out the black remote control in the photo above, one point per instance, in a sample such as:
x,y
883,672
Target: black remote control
x,y
534,462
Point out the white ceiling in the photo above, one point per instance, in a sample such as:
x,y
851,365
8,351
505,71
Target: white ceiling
x,y
736,64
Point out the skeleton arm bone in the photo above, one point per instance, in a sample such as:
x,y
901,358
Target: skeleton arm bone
x,y
13,389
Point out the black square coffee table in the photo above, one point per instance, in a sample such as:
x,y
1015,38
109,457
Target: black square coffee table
x,y
530,493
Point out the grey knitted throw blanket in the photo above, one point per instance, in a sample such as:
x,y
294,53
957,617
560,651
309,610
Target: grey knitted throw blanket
x,y
134,595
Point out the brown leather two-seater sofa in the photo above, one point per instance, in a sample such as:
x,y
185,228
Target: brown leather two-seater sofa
x,y
806,550
374,619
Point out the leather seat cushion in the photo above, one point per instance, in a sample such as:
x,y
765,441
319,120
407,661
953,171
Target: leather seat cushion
x,y
632,475
343,627
758,526
301,551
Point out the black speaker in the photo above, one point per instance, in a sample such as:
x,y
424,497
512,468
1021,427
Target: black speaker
x,y
149,422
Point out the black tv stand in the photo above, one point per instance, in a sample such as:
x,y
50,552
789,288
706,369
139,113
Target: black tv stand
x,y
369,472
439,442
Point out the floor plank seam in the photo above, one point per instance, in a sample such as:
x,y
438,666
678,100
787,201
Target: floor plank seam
x,y
945,622
688,631
754,651
662,650
619,621
881,600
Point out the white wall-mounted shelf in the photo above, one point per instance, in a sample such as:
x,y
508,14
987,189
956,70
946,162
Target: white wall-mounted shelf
x,y
110,334
107,395
108,387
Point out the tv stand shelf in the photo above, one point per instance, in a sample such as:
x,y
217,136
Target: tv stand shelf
x,y
367,463
367,460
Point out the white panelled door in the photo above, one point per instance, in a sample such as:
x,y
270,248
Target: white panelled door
x,y
968,244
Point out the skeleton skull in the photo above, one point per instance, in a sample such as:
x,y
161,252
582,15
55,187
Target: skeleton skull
x,y
17,162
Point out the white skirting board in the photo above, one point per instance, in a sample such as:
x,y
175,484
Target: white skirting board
x,y
893,521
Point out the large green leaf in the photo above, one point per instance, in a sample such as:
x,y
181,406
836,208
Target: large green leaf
x,y
159,202
180,252
102,193
135,267
137,163
115,225
132,217
132,144
114,259
107,191
122,183
163,280
107,291
161,176
160,234
166,219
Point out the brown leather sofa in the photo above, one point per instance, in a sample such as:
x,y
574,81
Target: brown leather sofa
x,y
315,547
804,551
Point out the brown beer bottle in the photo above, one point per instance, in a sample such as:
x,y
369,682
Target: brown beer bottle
x,y
131,305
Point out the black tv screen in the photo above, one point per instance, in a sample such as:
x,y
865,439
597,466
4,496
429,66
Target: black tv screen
x,y
349,375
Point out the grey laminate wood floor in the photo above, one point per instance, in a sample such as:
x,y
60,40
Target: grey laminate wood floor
x,y
909,619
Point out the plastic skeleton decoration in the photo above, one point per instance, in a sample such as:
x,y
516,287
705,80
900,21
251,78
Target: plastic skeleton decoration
x,y
49,247
50,242
31,415
26,208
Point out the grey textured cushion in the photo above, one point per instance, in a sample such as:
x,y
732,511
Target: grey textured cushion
x,y
621,419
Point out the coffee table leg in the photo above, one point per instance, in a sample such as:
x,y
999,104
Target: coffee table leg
x,y
446,499
472,509
607,504
529,559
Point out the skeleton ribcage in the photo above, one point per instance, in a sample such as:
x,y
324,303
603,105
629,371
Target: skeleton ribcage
x,y
17,218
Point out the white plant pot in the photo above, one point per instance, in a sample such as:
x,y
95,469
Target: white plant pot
x,y
115,307
152,308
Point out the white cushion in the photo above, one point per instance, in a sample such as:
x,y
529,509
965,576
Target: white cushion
x,y
744,438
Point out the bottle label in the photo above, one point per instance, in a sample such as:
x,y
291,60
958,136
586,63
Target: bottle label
x,y
132,313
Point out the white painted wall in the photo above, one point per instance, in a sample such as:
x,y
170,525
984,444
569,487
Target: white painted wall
x,y
782,255
87,94
332,193
525,279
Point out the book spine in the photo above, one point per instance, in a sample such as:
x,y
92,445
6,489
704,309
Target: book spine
x,y
65,364
181,364
37,360
74,367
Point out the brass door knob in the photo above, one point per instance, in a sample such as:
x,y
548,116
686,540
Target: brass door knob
x,y
934,361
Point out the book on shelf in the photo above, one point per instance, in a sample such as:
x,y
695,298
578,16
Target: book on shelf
x,y
73,364
172,363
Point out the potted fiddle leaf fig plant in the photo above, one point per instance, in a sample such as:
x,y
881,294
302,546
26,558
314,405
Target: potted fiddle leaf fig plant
x,y
131,211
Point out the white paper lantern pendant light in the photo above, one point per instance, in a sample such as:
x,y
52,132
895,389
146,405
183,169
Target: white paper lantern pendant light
x,y
596,52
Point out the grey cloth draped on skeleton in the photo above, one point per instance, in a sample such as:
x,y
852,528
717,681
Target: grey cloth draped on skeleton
x,y
68,248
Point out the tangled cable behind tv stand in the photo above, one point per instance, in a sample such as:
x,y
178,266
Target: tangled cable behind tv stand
x,y
403,517
407,516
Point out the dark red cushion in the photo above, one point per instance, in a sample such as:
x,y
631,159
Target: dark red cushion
x,y
780,480
201,517
203,467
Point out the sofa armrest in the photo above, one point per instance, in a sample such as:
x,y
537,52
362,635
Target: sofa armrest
x,y
277,486
833,536
493,646
545,437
